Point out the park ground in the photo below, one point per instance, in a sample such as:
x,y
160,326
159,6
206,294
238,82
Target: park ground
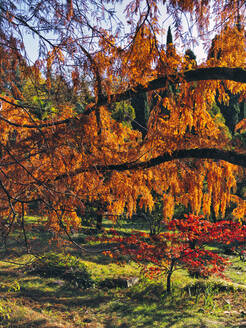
x,y
30,300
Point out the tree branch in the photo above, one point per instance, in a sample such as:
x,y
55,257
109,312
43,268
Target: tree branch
x,y
199,74
202,153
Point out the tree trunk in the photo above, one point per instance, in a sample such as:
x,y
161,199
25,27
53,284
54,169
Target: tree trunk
x,y
169,274
99,222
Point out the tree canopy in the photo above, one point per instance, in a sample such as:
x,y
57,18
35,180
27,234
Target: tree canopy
x,y
60,144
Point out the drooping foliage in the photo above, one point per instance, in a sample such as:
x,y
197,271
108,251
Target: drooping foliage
x,y
62,151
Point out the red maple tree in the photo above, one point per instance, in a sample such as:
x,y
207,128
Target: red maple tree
x,y
182,245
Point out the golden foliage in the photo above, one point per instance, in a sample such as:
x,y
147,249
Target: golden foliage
x,y
57,165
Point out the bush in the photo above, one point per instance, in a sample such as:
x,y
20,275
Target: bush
x,y
66,267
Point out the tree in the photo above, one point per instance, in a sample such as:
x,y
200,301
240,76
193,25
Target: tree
x,y
181,246
70,157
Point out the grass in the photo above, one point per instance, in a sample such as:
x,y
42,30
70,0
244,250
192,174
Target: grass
x,y
33,301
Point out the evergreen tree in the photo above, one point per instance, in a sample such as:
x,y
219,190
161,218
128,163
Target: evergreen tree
x,y
140,104
169,36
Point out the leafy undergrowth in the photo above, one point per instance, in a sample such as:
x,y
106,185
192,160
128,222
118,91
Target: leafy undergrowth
x,y
28,299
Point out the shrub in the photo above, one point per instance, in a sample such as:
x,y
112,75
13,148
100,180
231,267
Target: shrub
x,y
66,267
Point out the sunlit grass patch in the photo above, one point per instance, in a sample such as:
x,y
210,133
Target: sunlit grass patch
x,y
24,316
112,270
236,271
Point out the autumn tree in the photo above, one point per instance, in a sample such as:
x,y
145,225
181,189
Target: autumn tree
x,y
70,157
182,245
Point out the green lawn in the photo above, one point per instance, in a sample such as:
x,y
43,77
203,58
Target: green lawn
x,y
34,301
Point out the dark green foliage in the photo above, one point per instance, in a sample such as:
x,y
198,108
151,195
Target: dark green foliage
x,y
240,137
214,52
92,214
190,54
191,59
140,104
66,267
123,112
180,210
169,36
233,112
216,113
170,48
42,108
154,219
79,108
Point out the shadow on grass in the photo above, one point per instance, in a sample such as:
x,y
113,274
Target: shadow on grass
x,y
149,305
11,273
32,324
120,310
94,257
145,314
66,296
16,246
74,302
